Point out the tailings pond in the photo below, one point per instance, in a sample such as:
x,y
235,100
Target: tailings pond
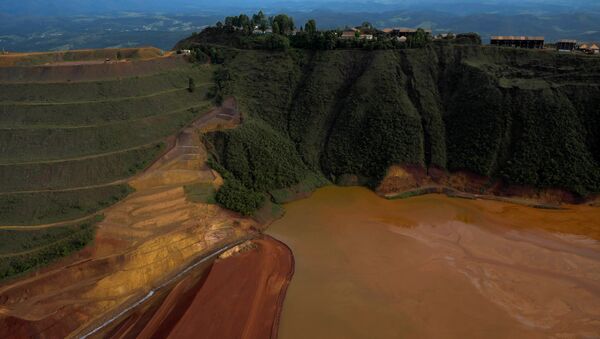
x,y
438,267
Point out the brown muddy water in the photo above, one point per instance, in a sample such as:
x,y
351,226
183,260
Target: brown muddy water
x,y
438,267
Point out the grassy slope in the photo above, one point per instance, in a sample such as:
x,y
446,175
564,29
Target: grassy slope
x,y
527,117
66,150
23,250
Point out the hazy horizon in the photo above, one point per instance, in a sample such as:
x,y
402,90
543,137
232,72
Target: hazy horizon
x,y
32,25
90,7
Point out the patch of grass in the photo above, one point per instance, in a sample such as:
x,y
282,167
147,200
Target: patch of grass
x,y
99,113
22,251
65,92
50,207
77,173
201,192
42,144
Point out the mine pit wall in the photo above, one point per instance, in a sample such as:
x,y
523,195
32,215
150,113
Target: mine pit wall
x,y
526,119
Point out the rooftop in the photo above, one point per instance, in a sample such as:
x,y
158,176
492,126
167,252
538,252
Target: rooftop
x,y
510,37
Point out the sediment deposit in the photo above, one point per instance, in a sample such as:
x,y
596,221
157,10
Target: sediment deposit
x,y
434,267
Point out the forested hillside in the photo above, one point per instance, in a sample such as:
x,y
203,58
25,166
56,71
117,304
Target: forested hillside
x,y
521,117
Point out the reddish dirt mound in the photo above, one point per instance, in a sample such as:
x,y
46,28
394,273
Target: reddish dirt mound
x,y
89,71
242,296
239,297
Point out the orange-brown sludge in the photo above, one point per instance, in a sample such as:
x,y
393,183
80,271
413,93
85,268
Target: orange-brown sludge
x,y
438,267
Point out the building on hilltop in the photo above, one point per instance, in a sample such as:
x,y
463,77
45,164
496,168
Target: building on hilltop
x,y
518,41
566,45
348,34
260,31
590,48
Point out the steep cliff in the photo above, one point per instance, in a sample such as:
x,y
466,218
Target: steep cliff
x,y
518,117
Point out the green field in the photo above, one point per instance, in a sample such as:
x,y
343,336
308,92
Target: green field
x,y
67,150
524,117
201,192
24,250
27,209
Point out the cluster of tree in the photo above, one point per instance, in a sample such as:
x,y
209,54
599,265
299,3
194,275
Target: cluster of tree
x,y
234,195
460,39
241,32
328,40
280,24
472,124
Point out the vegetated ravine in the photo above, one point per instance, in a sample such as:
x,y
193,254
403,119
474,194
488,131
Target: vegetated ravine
x,y
517,117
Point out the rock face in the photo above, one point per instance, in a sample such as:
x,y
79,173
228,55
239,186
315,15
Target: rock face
x,y
527,118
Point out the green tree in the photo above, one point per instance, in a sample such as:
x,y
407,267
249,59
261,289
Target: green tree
x,y
244,23
230,21
276,28
419,39
119,56
260,20
468,38
285,23
311,26
277,42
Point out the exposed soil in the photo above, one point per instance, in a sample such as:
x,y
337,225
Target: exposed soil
x,y
144,240
238,297
403,181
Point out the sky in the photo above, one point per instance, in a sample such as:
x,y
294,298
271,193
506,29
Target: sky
x,y
78,7
32,25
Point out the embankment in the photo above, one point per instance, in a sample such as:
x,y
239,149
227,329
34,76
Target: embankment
x,y
143,240
70,149
240,296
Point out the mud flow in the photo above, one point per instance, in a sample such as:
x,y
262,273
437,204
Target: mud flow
x,y
438,267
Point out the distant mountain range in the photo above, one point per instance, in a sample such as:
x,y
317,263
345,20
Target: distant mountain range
x,y
88,7
29,25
